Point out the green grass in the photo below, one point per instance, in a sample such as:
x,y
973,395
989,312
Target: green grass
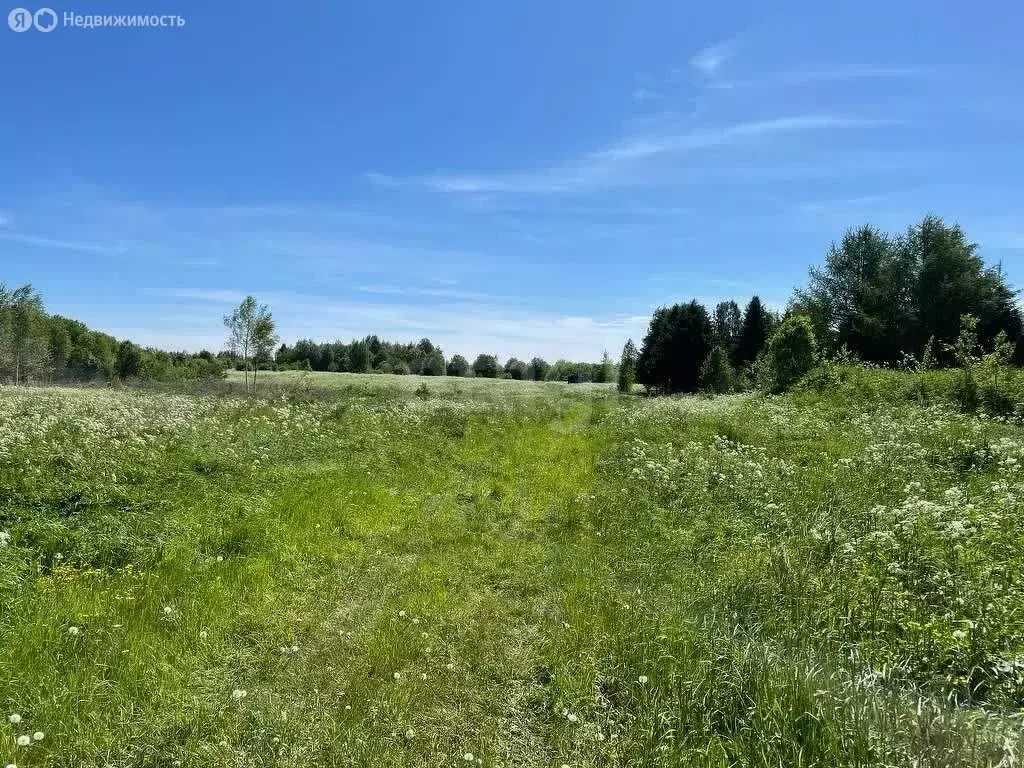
x,y
534,574
291,381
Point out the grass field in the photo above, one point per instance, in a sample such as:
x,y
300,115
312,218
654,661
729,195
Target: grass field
x,y
506,574
288,382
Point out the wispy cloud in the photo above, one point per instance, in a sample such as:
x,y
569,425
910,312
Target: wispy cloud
x,y
710,60
614,164
646,94
822,76
63,245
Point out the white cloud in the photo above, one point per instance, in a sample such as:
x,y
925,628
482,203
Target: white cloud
x,y
710,60
616,165
818,76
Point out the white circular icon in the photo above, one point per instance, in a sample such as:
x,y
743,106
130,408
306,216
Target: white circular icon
x,y
45,19
20,20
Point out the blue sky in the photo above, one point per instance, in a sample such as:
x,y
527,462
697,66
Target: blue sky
x,y
516,177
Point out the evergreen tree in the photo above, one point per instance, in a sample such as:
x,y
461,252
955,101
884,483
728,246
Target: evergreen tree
x,y
627,368
753,333
678,340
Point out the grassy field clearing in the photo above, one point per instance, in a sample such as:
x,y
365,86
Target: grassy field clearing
x,y
290,381
505,574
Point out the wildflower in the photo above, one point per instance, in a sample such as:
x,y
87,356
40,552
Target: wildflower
x,y
14,718
416,620
642,679
348,707
468,757
5,538
295,649
220,558
24,740
423,675
572,717
73,631
410,733
959,634
401,614
397,675
202,634
38,736
11,765
239,693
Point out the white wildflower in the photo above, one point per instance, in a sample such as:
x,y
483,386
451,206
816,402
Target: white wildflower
x,y
239,693
14,717
73,631
38,736
642,679
24,740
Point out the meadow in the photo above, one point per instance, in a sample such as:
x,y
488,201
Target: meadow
x,y
359,571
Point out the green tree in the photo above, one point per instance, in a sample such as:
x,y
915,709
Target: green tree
x,y
716,374
605,370
791,353
753,333
22,332
251,335
458,366
128,361
627,368
516,369
433,364
539,369
727,323
678,340
486,366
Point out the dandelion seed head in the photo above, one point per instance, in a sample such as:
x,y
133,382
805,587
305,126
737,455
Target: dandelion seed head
x,y
642,679
396,675
14,717
38,736
73,631
468,757
24,740
239,693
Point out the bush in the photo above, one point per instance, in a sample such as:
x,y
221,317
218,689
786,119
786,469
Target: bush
x,y
790,355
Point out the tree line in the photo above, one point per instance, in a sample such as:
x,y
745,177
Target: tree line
x,y
40,347
879,298
423,358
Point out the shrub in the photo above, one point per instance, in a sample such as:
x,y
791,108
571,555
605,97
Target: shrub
x,y
716,374
790,355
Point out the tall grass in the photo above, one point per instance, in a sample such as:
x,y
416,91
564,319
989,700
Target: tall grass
x,y
506,574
